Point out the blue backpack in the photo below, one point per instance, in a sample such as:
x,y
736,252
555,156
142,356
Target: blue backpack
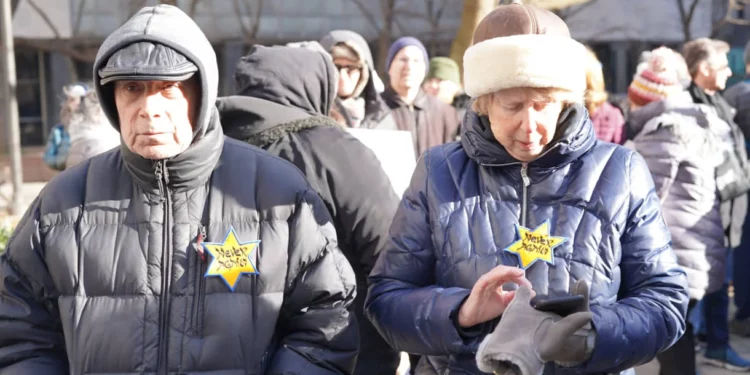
x,y
56,151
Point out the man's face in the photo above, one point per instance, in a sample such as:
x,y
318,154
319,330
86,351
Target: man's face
x,y
350,73
720,72
407,69
716,72
156,117
522,122
444,90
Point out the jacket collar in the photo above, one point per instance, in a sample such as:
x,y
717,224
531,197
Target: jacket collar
x,y
420,101
185,171
575,135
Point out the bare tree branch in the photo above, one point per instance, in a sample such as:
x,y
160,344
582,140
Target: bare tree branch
x,y
46,18
193,8
368,15
79,16
168,2
251,31
60,46
729,18
686,16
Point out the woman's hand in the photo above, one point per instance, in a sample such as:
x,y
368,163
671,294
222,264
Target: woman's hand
x,y
488,300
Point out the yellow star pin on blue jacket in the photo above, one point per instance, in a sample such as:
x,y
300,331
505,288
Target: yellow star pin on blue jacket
x,y
231,259
534,245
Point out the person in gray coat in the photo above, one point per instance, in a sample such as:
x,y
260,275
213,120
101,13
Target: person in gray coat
x,y
182,251
681,144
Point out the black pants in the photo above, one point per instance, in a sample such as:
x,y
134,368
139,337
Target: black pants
x,y
680,358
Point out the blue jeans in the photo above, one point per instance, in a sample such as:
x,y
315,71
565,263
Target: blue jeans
x,y
711,315
741,275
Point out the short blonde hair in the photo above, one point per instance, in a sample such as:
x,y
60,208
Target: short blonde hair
x,y
700,50
596,93
481,104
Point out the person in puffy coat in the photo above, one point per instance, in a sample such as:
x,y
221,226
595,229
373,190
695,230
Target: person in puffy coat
x,y
679,141
286,114
182,251
528,197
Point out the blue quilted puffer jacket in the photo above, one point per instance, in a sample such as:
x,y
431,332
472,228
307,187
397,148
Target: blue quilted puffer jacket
x,y
460,214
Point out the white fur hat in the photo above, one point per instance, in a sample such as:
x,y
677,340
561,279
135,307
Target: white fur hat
x,y
523,46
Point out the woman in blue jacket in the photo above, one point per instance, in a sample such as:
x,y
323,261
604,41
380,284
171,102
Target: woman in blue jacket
x,y
528,197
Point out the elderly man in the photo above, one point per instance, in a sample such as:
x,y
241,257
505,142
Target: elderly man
x,y
181,251
709,68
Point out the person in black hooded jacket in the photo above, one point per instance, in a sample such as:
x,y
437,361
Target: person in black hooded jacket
x,y
282,105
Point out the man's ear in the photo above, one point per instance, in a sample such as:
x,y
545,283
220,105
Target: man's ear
x,y
704,68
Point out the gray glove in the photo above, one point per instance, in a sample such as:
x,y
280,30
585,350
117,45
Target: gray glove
x,y
525,339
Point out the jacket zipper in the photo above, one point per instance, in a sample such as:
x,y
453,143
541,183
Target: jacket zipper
x,y
200,282
162,178
524,191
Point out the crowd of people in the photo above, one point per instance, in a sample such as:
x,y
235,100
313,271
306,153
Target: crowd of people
x,y
547,229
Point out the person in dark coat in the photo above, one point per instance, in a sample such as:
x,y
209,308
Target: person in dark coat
x,y
707,63
181,251
282,106
358,103
529,202
738,96
430,121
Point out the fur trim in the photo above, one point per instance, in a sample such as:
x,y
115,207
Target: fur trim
x,y
529,60
265,138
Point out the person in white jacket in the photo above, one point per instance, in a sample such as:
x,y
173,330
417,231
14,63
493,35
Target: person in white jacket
x,y
90,132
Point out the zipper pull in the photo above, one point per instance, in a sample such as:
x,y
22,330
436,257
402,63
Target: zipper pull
x,y
159,172
525,174
199,243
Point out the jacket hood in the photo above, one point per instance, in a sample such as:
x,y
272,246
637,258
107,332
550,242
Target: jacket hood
x,y
169,26
371,94
681,104
243,117
292,77
352,39
575,135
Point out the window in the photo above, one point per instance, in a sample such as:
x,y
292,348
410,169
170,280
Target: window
x,y
29,65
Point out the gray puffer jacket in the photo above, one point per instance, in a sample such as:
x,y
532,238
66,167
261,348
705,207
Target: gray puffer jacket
x,y
103,276
677,139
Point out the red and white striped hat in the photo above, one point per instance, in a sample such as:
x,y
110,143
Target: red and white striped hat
x,y
657,78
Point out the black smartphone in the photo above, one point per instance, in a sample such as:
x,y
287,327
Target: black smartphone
x,y
563,305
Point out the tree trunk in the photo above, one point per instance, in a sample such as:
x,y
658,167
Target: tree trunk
x,y
473,12
170,2
384,38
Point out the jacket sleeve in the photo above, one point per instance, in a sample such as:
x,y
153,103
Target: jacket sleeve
x,y
663,153
649,315
407,308
364,200
317,334
31,337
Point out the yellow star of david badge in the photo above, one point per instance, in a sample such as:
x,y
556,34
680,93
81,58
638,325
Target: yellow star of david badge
x,y
534,245
231,259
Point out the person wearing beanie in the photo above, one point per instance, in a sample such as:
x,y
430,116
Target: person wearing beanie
x,y
358,104
430,121
684,154
443,80
529,246
181,251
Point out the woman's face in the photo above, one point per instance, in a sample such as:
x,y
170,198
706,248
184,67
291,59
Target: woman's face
x,y
523,121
